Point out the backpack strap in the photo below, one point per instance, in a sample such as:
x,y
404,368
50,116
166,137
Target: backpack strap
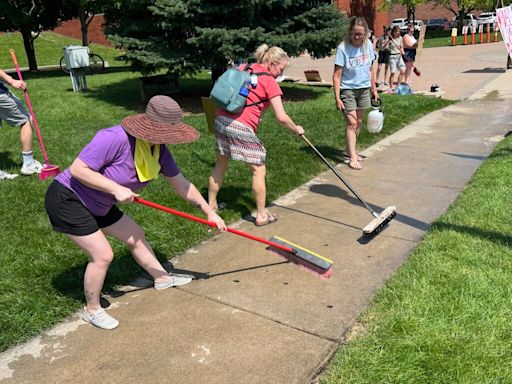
x,y
249,69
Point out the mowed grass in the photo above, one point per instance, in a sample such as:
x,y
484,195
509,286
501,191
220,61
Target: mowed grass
x,y
445,316
41,271
49,49
435,39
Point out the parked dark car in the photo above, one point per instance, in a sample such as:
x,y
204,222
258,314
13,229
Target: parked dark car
x,y
438,24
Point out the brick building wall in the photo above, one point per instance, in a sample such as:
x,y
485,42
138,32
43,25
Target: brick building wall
x,y
376,19
72,28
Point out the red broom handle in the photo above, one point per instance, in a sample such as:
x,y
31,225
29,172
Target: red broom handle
x,y
210,223
13,55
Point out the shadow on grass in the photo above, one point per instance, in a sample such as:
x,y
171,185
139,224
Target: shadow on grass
x,y
6,161
126,93
492,236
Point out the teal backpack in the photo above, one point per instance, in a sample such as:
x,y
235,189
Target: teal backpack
x,y
232,88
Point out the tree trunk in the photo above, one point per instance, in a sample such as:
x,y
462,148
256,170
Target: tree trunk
x,y
216,72
82,16
29,48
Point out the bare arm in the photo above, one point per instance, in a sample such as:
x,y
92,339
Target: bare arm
x,y
81,171
186,190
336,83
18,84
283,118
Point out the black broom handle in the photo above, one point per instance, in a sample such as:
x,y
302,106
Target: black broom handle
x,y
339,176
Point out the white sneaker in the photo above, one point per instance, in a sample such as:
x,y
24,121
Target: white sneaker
x,y
174,280
34,167
100,319
7,176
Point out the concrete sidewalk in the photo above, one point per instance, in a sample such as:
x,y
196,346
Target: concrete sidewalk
x,y
460,71
252,318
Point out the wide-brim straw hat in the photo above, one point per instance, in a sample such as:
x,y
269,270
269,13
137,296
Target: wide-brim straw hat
x,y
161,123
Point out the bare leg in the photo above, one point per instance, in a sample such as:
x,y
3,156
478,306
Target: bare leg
x,y
216,179
129,232
259,190
400,76
100,256
408,70
391,79
352,129
26,137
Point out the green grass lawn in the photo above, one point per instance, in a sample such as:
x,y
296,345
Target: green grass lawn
x,y
435,39
445,316
49,49
41,271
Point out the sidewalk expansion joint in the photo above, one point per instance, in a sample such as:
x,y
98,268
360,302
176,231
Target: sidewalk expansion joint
x,y
268,318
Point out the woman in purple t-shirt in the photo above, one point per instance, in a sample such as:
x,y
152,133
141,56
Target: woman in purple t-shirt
x,y
81,201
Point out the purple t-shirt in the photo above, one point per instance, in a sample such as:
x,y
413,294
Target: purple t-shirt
x,y
110,153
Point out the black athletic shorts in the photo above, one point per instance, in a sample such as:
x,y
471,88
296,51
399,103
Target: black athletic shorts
x,y
383,57
68,215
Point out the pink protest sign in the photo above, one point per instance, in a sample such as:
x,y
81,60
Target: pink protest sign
x,y
504,16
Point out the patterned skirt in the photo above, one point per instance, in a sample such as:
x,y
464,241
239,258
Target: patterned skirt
x,y
238,141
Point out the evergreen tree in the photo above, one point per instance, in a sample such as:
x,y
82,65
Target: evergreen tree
x,y
187,35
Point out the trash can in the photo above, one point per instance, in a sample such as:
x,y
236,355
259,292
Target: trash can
x,y
77,60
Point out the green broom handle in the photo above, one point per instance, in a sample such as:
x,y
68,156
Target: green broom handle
x,y
211,224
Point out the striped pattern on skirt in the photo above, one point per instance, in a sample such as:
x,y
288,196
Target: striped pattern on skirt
x,y
238,141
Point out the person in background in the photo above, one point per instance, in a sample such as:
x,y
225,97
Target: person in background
x,y
410,44
396,62
354,84
15,114
383,61
236,133
81,201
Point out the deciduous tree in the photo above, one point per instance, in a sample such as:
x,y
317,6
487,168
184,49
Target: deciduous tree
x,y
30,17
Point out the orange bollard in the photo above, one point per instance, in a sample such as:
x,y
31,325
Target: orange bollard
x,y
465,39
488,34
473,38
454,37
481,40
495,36
465,34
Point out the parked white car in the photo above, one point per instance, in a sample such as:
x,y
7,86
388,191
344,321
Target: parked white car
x,y
470,21
487,18
402,22
417,25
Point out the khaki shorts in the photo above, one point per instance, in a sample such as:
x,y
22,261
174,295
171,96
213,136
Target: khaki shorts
x,y
355,99
12,110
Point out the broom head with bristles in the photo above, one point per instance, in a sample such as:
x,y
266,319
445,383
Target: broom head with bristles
x,y
378,223
304,258
49,170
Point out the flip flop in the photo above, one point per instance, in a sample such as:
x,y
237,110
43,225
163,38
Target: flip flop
x,y
270,219
352,165
361,157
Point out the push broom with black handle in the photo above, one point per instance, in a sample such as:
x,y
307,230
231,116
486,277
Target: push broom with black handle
x,y
311,261
379,220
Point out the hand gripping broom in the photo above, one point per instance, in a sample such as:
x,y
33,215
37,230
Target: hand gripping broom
x,y
48,170
379,221
296,254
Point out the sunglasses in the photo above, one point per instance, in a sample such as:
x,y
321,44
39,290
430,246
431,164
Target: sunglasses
x,y
357,34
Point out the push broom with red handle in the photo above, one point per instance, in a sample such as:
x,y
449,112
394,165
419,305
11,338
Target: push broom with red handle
x,y
303,257
49,170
